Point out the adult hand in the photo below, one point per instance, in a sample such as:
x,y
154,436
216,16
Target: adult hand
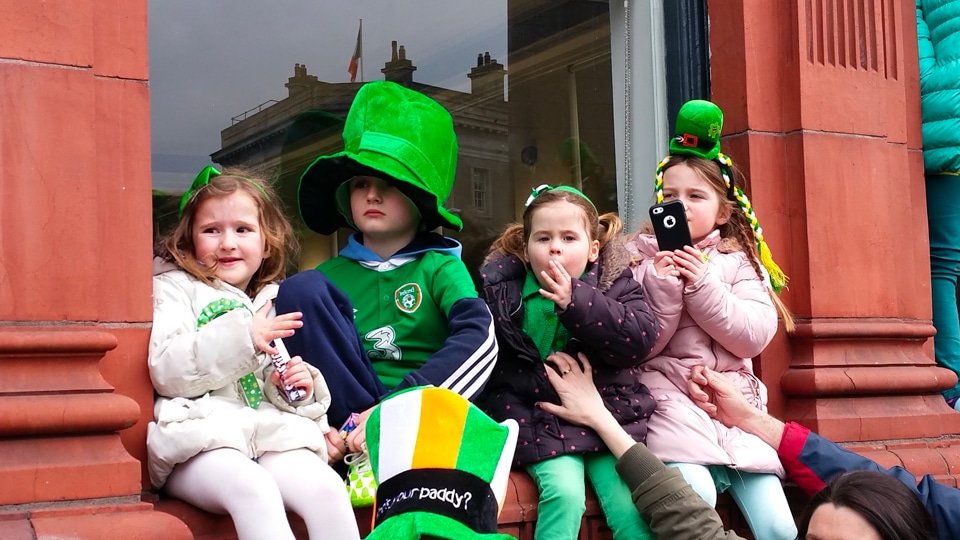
x,y
556,285
296,375
580,402
718,396
723,401
357,439
336,448
690,263
265,328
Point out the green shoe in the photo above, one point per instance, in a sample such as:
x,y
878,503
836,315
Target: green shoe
x,y
361,484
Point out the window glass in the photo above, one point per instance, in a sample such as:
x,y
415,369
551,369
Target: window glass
x,y
481,191
266,86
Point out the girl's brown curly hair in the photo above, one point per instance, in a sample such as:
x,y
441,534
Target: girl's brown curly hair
x,y
279,245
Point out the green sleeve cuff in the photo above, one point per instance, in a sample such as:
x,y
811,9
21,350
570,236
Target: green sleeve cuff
x,y
637,465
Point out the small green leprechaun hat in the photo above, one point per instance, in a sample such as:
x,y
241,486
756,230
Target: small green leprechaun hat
x,y
697,133
698,128
394,133
442,466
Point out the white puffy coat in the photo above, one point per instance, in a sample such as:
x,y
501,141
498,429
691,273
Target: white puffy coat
x,y
196,372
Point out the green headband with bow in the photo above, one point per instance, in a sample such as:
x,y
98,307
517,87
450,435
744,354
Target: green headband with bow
x,y
203,180
200,182
543,188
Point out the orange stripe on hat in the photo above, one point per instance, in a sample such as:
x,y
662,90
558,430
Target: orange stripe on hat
x,y
440,435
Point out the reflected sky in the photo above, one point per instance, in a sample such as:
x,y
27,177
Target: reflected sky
x,y
211,60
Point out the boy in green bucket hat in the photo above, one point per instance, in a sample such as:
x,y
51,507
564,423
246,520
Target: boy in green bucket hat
x,y
417,315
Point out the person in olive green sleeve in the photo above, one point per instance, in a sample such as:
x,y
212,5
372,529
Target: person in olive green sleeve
x,y
664,499
860,500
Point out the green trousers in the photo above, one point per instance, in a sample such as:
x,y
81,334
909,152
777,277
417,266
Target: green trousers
x,y
562,485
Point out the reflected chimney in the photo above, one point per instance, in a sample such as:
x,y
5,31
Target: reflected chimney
x,y
301,82
398,69
486,80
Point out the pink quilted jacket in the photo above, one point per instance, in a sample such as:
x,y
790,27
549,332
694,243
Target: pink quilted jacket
x,y
721,321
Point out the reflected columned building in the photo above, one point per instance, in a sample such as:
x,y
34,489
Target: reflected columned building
x,y
280,138
550,122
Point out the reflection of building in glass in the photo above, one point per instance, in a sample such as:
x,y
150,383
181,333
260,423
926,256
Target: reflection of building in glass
x,y
561,97
283,137
556,128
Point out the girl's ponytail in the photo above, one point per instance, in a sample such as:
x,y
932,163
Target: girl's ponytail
x,y
510,241
609,227
784,312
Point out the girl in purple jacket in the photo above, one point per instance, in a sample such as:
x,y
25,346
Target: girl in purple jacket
x,y
561,281
715,307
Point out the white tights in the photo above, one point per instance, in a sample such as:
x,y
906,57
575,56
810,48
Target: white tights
x,y
256,493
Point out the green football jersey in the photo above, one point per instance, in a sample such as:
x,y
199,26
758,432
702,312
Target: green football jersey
x,y
401,306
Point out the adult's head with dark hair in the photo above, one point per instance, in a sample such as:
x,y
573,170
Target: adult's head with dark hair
x,y
866,505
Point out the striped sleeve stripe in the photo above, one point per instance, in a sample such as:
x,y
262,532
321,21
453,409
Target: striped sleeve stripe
x,y
466,373
470,376
478,382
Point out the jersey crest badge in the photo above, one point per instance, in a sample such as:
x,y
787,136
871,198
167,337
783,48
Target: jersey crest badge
x,y
408,297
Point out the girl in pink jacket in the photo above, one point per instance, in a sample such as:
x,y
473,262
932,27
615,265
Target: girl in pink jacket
x,y
715,306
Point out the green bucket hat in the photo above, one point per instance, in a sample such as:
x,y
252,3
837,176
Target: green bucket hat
x,y
442,465
394,133
698,127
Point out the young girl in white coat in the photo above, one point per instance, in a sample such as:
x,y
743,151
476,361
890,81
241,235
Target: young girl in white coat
x,y
715,307
226,438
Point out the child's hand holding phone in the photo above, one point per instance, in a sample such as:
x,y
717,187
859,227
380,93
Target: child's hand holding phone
x,y
690,263
664,265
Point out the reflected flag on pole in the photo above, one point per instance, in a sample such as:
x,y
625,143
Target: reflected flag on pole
x,y
357,52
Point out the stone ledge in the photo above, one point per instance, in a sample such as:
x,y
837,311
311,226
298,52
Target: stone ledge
x,y
136,521
939,458
518,517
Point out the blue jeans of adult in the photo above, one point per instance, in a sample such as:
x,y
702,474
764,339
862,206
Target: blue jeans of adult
x,y
943,216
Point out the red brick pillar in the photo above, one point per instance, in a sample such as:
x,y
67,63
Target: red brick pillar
x,y
822,111
75,253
